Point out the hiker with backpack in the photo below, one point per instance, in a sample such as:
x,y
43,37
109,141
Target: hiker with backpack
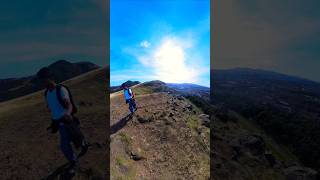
x,y
60,103
129,97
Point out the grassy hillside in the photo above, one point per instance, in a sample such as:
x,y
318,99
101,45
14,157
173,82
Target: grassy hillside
x,y
29,151
287,108
242,150
165,139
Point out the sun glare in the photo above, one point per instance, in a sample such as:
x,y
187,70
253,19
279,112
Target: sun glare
x,y
170,63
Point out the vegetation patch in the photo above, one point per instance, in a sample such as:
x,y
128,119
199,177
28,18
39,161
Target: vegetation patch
x,y
201,103
192,122
204,164
125,138
142,91
126,170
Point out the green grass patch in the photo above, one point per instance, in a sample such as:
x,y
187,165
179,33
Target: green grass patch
x,y
142,90
122,161
125,138
280,152
192,122
204,165
197,109
202,104
202,144
283,155
128,174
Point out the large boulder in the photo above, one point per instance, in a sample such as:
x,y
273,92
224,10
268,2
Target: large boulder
x,y
189,107
205,120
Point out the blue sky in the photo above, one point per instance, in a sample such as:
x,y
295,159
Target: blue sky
x,y
166,40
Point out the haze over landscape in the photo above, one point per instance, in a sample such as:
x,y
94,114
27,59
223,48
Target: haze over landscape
x,y
37,33
281,36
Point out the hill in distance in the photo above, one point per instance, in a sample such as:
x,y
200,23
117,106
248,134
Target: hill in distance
x,y
119,88
191,89
265,125
29,151
62,70
166,138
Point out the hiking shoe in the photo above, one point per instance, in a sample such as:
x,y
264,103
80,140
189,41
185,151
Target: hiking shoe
x,y
68,175
74,164
73,167
84,148
71,173
131,114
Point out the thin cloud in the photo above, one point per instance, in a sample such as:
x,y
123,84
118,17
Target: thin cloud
x,y
128,74
145,44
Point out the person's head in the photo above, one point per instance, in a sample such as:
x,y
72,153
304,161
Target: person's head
x,y
124,86
46,77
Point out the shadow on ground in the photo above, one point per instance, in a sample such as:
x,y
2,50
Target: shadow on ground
x,y
120,124
59,173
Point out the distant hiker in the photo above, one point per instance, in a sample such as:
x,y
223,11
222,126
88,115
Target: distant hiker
x,y
129,97
60,104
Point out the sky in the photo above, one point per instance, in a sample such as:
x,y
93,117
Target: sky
x,y
282,36
37,33
167,40
146,36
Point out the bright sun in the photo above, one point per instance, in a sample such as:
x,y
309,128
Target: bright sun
x,y
169,61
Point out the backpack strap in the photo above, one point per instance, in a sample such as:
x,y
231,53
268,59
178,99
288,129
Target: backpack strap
x,y
61,101
59,96
129,91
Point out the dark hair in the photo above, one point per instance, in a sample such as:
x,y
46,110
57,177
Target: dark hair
x,y
44,73
123,85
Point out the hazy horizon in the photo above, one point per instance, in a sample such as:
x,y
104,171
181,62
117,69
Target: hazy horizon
x,y
159,80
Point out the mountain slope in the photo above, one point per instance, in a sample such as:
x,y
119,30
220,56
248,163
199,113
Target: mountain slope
x,y
165,139
29,151
118,88
191,89
62,70
279,112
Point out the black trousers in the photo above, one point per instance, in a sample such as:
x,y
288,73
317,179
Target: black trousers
x,y
72,128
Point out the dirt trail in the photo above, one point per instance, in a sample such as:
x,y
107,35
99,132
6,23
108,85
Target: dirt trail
x,y
162,140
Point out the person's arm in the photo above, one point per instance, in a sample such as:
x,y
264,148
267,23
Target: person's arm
x,y
131,92
67,102
69,109
48,106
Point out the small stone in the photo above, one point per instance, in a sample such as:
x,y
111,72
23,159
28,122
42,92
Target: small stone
x,y
135,156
